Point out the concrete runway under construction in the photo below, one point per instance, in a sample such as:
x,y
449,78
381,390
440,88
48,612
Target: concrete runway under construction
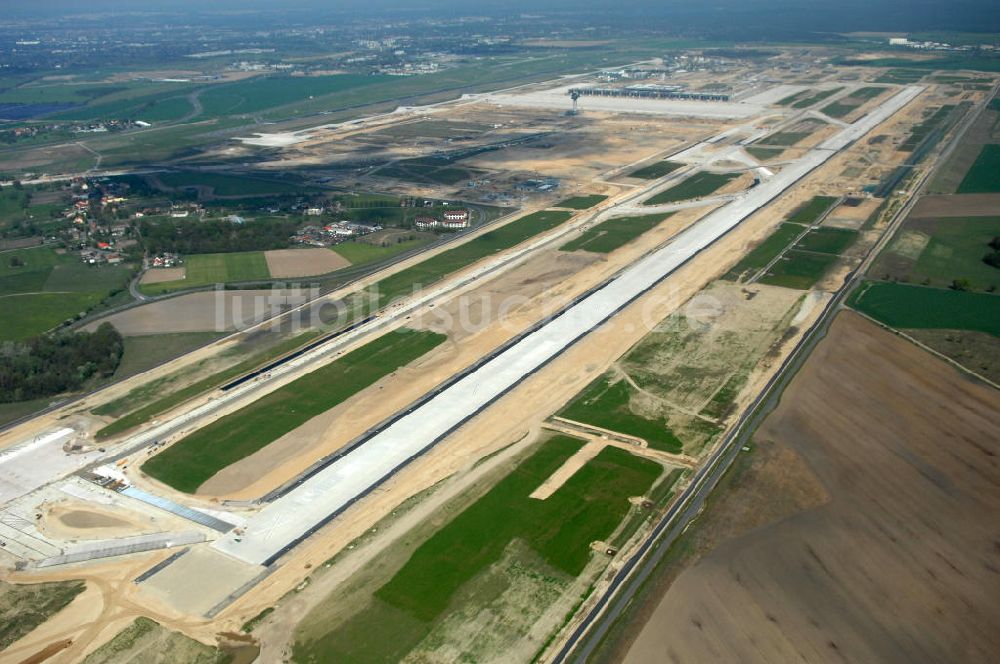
x,y
301,511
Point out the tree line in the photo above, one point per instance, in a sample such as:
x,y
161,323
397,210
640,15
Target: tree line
x,y
993,257
48,365
215,236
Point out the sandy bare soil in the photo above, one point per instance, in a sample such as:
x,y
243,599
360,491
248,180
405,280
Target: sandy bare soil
x,y
77,520
898,564
195,312
596,143
957,205
853,217
287,263
161,274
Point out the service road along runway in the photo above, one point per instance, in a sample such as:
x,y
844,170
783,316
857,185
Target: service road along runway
x,y
294,516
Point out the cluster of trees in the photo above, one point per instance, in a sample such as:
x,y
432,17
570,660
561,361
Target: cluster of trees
x,y
215,236
993,258
52,364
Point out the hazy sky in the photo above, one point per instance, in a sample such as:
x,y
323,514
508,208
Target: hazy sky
x,y
833,15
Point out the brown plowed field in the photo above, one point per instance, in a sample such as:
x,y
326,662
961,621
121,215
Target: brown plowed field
x,y
290,263
899,561
957,205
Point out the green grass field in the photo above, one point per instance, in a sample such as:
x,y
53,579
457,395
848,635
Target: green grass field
x,y
984,176
793,135
815,98
828,240
55,93
869,92
437,267
955,251
31,276
35,258
187,464
359,253
220,268
953,248
698,185
588,507
762,153
262,93
31,314
149,101
845,105
75,277
614,233
13,203
606,405
798,269
907,306
792,98
145,352
206,269
437,578
49,288
163,101
811,211
765,252
655,170
582,202
901,76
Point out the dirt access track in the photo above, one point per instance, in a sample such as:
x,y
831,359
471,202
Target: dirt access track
x,y
892,556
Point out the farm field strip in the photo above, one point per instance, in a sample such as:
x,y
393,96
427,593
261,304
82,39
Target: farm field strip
x,y
922,307
984,176
937,251
767,252
272,531
591,504
616,232
189,462
698,185
50,288
206,269
656,170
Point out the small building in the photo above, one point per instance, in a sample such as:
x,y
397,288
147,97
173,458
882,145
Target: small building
x,y
456,219
426,222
